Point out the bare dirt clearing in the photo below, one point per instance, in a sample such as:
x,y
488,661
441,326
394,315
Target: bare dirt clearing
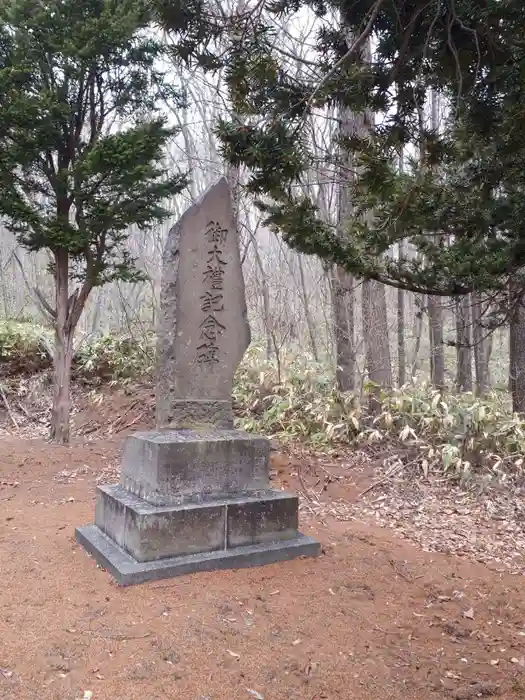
x,y
373,618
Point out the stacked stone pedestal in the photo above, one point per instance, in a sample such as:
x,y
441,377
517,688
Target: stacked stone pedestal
x,y
193,500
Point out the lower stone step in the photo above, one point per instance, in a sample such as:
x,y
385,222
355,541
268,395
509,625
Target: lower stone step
x,y
128,571
149,532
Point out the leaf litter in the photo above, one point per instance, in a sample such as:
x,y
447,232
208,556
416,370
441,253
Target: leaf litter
x,y
480,521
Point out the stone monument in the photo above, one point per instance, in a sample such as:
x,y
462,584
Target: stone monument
x,y
194,494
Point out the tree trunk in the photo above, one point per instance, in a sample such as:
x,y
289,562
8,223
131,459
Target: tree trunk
x,y
463,345
63,356
341,288
401,353
265,293
488,354
307,310
375,334
419,303
266,319
481,341
234,179
62,362
342,283
67,313
4,285
435,309
517,357
437,350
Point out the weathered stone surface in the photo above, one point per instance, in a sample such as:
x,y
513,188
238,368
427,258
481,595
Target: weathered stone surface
x,y
148,532
168,467
192,414
203,327
127,571
270,519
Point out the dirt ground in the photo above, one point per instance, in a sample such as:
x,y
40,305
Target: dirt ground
x,y
373,618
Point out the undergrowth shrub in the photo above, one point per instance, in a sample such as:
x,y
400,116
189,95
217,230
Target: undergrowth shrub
x,y
115,359
457,434
25,348
304,405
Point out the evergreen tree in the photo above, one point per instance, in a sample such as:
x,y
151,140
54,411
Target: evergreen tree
x,y
81,148
460,203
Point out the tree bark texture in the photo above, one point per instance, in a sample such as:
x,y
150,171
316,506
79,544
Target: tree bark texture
x,y
67,314
517,357
342,283
307,310
342,293
481,340
401,352
437,350
463,345
419,304
63,355
375,334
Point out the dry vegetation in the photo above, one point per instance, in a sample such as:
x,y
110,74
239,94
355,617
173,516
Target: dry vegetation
x,y
446,469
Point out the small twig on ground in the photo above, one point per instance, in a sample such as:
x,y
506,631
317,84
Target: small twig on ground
x,y
117,637
309,507
133,422
391,473
8,408
403,658
120,418
328,472
30,415
408,577
303,485
90,429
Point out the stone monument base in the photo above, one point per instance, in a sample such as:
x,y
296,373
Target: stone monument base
x,y
137,541
128,571
193,500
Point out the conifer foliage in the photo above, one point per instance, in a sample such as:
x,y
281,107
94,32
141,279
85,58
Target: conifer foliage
x,y
458,202
81,148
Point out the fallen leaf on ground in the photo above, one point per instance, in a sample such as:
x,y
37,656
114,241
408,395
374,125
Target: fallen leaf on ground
x,y
255,694
449,674
469,613
311,668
